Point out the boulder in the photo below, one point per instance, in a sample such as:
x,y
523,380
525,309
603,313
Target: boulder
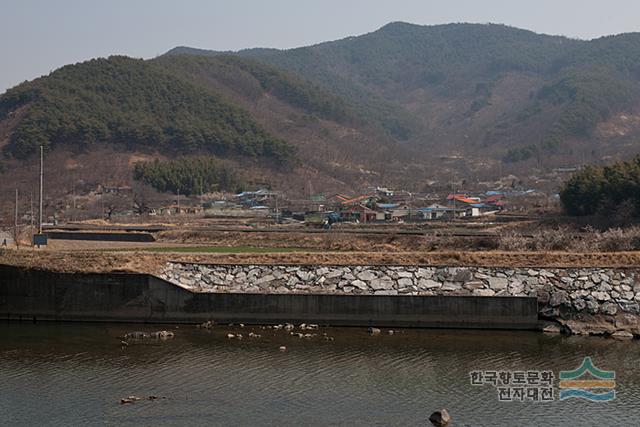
x,y
129,399
303,275
405,282
474,285
498,283
579,304
366,275
359,284
462,275
589,325
405,274
382,283
559,298
440,418
609,308
622,335
428,284
158,335
601,295
373,331
424,273
451,286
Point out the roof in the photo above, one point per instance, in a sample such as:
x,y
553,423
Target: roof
x,y
387,205
359,208
494,198
463,199
440,208
356,199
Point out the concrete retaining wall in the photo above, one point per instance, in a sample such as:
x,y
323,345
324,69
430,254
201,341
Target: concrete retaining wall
x,y
40,295
100,236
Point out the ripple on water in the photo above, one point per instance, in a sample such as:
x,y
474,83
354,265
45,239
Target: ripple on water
x,y
71,375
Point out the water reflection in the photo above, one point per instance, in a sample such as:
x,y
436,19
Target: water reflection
x,y
73,374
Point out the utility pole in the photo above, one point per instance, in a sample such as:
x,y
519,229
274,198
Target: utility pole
x,y
15,224
276,208
41,183
31,212
178,202
31,217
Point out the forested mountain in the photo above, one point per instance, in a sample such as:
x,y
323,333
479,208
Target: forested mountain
x,y
405,105
131,102
508,93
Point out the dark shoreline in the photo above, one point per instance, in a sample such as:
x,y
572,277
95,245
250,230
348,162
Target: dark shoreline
x,y
35,295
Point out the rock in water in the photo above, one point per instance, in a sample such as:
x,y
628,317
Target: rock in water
x,y
129,399
283,348
622,335
373,331
159,335
440,418
207,325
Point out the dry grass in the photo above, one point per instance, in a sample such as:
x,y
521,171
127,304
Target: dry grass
x,y
562,239
102,262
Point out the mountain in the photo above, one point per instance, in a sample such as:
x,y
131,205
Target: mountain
x,y
489,90
98,118
130,102
406,105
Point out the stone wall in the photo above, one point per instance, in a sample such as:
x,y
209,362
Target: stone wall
x,y
559,291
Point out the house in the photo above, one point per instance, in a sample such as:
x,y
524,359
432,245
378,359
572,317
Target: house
x,y
255,198
400,213
359,213
436,211
175,209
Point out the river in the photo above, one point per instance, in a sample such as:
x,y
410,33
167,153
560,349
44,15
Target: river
x,y
76,374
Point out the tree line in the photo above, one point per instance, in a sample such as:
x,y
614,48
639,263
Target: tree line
x,y
188,175
604,190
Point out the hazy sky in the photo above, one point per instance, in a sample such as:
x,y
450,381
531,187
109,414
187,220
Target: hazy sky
x,y
37,36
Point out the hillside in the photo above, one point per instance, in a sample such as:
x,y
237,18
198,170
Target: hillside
x,y
418,107
134,103
484,90
98,118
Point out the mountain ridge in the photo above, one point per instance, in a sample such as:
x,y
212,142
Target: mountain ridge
x,y
405,105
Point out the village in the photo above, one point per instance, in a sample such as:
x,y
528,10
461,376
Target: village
x,y
378,205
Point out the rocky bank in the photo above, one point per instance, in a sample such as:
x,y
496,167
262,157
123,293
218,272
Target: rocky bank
x,y
581,300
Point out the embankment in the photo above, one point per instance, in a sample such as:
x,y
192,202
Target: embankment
x,y
586,293
583,300
27,294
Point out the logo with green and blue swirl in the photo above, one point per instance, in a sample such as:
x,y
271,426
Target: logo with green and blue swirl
x,y
588,382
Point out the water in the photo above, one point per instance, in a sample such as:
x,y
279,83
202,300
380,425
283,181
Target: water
x,y
76,374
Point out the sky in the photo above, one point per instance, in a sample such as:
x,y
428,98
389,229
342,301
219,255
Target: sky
x,y
38,36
